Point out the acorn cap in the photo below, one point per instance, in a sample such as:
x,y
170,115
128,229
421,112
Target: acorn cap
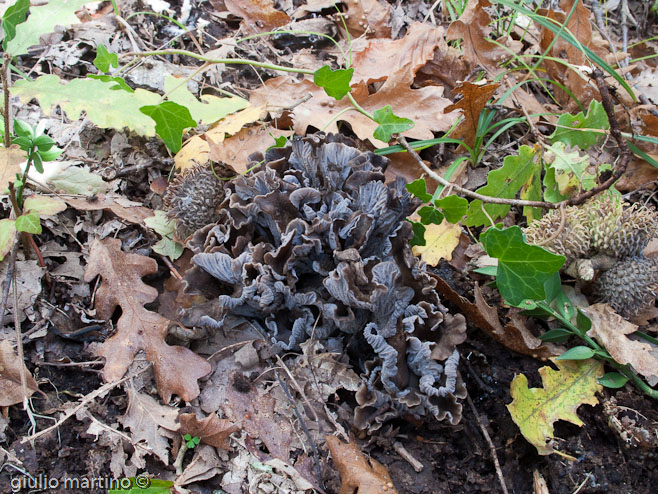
x,y
630,286
192,199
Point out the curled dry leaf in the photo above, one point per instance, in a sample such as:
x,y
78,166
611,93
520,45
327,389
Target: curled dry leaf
x,y
357,472
176,368
211,429
473,28
514,335
11,389
611,330
257,16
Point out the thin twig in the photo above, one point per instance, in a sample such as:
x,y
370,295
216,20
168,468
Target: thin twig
x,y
6,83
492,448
402,451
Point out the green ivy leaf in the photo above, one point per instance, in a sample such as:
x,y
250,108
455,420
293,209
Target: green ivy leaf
x,y
104,59
120,83
577,353
7,236
504,183
430,215
171,119
453,207
389,123
418,188
522,269
566,173
336,83
279,142
419,233
29,222
613,380
13,16
569,127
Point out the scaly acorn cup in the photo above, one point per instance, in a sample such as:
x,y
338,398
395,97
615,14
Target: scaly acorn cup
x,y
630,286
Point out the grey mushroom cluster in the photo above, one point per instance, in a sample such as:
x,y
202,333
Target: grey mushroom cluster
x,y
315,244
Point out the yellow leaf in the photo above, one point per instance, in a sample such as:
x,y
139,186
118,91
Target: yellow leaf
x,y
535,410
441,240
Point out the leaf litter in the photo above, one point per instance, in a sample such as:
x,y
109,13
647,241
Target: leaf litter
x,y
260,419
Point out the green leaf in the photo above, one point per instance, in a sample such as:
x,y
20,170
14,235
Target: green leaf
x,y
50,155
419,233
389,123
557,335
569,127
187,437
13,16
171,119
120,83
37,162
29,222
453,207
104,59
160,223
279,142
418,188
44,205
43,20
583,322
77,180
487,270
522,269
336,83
503,183
613,380
569,173
7,236
552,287
207,111
577,353
535,410
429,215
43,142
23,129
532,191
104,107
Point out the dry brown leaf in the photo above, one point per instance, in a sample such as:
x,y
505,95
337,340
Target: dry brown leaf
x,y
368,16
475,97
257,16
11,389
446,68
610,330
236,149
358,473
255,409
11,159
514,335
473,27
146,418
211,429
424,106
176,368
384,58
130,212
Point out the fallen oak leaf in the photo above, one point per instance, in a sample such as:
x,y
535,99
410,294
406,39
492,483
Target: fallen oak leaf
x,y
176,368
257,15
475,97
357,472
211,429
611,330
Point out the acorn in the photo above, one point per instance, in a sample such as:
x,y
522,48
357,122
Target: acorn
x,y
193,198
629,286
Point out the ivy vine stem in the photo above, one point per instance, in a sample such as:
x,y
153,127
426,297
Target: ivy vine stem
x,y
228,61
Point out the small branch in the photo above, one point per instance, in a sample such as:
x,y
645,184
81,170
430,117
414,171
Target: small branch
x,y
402,451
6,84
492,448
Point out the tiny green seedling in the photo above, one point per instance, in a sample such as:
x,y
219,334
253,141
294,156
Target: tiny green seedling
x,y
191,441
